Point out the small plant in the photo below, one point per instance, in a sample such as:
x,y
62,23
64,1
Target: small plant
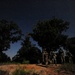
x,y
23,72
25,62
20,72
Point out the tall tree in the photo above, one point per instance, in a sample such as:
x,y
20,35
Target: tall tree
x,y
70,44
27,52
9,33
49,34
4,58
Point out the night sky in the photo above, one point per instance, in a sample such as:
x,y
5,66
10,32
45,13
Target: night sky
x,y
26,13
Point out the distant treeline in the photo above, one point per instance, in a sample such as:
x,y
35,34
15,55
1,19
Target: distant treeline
x,y
48,34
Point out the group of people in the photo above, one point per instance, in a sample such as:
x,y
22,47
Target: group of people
x,y
59,57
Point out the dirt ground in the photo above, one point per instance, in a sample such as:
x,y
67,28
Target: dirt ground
x,y
39,69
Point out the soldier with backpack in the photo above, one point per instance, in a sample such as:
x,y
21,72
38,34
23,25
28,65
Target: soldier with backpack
x,y
61,56
69,57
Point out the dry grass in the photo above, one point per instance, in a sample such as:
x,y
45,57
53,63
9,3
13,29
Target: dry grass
x,y
33,68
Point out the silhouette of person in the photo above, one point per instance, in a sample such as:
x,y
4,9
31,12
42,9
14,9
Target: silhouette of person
x,y
54,59
69,56
61,55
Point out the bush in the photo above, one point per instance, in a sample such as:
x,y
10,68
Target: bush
x,y
23,72
4,72
68,68
20,72
25,62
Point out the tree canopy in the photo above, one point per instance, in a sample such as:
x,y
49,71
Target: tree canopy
x,y
4,58
27,52
49,34
9,33
70,45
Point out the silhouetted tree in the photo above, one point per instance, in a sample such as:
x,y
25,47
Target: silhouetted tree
x,y
9,33
27,52
70,45
49,34
4,58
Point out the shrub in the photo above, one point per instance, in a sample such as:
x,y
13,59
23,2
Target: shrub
x,y
20,72
23,72
68,68
25,62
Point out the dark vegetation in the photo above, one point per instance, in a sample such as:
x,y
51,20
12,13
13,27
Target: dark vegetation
x,y
9,33
27,52
20,72
67,69
4,58
4,72
23,72
48,34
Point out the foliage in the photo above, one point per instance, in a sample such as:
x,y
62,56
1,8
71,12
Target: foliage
x,y
49,34
68,68
27,52
4,58
70,44
9,33
25,62
4,72
20,72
